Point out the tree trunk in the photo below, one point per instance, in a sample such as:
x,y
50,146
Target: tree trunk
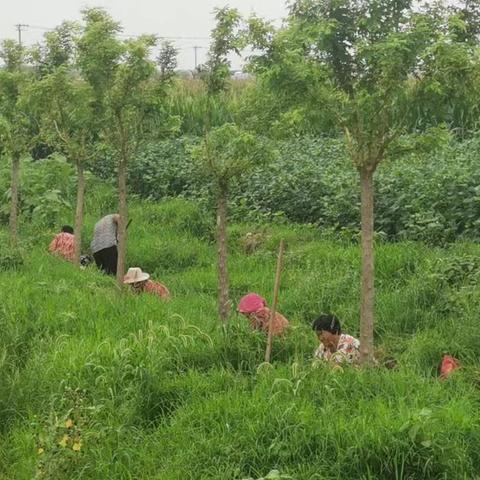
x,y
368,293
13,223
223,299
79,213
123,211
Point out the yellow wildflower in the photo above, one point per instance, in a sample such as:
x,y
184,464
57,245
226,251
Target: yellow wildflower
x,y
63,442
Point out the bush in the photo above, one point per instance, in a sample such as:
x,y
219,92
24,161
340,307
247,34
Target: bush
x,y
431,194
179,215
10,259
164,169
47,189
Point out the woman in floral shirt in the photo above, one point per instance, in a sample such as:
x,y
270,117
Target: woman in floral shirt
x,y
335,347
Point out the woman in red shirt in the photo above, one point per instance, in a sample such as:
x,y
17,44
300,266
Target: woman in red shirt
x,y
63,244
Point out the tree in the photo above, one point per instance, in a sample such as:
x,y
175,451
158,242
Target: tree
x,y
99,52
130,101
167,60
469,14
62,103
449,91
14,123
12,55
120,74
58,48
226,153
226,38
361,60
215,74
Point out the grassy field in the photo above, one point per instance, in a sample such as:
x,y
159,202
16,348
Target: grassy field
x,y
95,384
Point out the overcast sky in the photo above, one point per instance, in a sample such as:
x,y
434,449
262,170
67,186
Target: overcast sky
x,y
170,18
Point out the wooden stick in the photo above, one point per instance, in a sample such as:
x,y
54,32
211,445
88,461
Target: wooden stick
x,y
276,288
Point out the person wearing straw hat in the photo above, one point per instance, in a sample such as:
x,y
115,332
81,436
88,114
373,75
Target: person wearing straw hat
x,y
140,282
335,347
254,307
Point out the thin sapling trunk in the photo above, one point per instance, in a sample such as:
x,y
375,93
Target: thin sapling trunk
x,y
79,212
14,187
223,296
368,292
122,225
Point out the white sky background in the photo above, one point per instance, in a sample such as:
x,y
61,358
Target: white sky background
x,y
171,18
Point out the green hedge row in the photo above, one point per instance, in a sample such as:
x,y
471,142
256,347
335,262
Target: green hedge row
x,y
431,195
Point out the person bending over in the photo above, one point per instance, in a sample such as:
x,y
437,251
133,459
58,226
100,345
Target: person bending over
x,y
104,243
335,347
63,244
140,282
254,307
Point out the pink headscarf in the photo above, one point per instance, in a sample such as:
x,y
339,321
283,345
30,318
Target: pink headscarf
x,y
251,303
448,365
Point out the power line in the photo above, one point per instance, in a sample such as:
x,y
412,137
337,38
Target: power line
x,y
188,38
38,27
167,37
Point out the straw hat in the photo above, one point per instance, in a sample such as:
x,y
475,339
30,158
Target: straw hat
x,y
135,275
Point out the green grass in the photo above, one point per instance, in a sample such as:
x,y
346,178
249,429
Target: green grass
x,y
157,391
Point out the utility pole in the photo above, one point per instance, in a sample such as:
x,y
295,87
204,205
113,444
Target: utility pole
x,y
19,27
195,48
